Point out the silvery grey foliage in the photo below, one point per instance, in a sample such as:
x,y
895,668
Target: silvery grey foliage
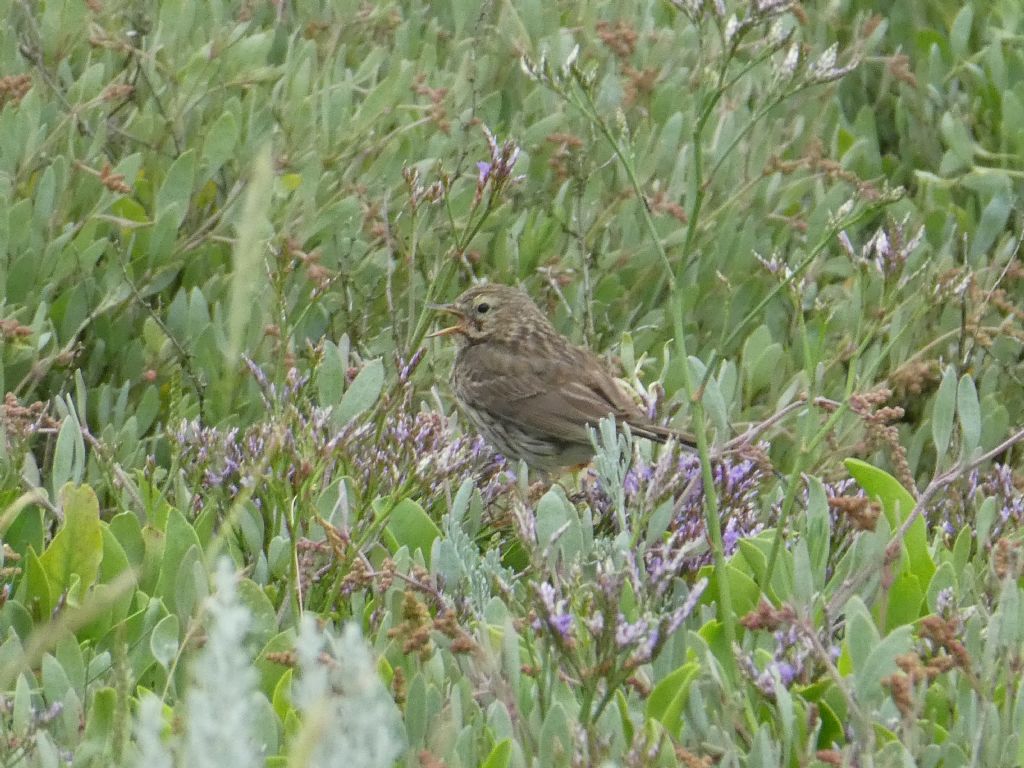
x,y
350,719
149,723
611,459
468,574
221,704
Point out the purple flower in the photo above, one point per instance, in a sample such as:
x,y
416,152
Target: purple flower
x,y
595,624
415,449
676,476
557,618
496,173
631,483
957,508
562,624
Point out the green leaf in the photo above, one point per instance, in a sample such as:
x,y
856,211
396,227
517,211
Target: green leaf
x,y
880,662
180,538
164,234
330,375
55,681
943,410
250,526
114,602
271,672
743,589
262,618
461,503
1006,628
968,411
416,711
39,598
962,547
983,521
760,360
149,573
130,211
832,729
954,132
190,585
361,394
755,559
784,707
556,741
668,699
803,580
45,194
412,527
991,224
177,187
960,32
115,560
861,636
711,397
69,454
137,628
126,529
99,727
21,709
69,654
817,530
219,143
905,600
163,642
77,549
500,756
897,504
281,696
383,98
559,534
624,717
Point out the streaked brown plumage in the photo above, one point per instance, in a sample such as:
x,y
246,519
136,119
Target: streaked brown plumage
x,y
528,390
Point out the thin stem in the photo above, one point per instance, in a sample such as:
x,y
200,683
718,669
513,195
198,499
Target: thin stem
x,y
756,311
801,458
711,508
590,110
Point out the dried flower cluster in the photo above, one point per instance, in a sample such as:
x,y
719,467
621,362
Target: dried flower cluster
x,y
887,249
495,174
676,476
13,88
878,421
22,421
957,508
584,614
797,652
410,449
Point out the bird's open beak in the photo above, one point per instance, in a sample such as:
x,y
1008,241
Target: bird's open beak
x,y
459,327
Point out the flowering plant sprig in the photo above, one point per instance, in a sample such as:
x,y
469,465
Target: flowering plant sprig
x,y
495,178
604,619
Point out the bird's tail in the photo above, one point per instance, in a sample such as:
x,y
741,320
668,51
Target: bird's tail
x,y
661,434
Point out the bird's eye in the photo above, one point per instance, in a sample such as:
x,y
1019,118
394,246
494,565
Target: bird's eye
x,y
482,308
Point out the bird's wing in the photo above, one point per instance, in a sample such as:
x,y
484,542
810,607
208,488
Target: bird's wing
x,y
556,397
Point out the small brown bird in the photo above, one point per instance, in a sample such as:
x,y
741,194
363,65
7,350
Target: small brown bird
x,y
529,391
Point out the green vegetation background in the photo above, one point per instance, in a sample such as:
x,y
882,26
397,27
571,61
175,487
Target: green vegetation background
x,y
794,229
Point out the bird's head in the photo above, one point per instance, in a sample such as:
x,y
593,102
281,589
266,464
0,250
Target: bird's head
x,y
492,312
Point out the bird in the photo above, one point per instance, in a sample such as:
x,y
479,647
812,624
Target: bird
x,y
528,390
